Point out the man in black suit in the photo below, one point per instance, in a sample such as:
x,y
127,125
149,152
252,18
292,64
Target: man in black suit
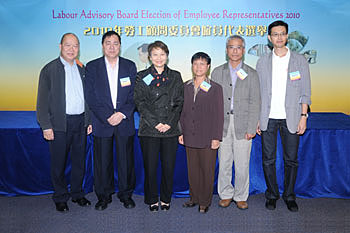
x,y
64,119
109,93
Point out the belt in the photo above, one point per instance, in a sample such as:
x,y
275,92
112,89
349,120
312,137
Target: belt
x,y
75,115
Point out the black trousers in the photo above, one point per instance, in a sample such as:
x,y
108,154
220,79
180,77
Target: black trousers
x,y
72,141
104,169
290,144
151,147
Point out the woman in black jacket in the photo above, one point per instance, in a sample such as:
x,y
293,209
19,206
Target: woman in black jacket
x,y
159,98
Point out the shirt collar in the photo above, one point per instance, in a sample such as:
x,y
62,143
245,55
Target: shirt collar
x,y
65,63
286,56
192,80
237,67
109,65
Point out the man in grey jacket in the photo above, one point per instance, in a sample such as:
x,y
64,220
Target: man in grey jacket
x,y
64,118
241,90
285,95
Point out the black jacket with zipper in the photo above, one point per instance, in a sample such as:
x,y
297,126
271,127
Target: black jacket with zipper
x,y
161,104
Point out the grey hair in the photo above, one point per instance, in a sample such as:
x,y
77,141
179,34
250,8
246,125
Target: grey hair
x,y
235,37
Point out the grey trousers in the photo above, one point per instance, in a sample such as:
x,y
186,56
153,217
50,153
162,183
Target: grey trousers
x,y
234,151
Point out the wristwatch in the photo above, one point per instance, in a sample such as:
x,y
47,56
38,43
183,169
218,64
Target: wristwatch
x,y
305,115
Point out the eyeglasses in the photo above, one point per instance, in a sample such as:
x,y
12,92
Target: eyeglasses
x,y
279,34
235,47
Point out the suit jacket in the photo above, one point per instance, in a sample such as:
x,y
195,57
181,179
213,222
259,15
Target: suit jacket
x,y
98,97
202,121
246,101
298,92
51,99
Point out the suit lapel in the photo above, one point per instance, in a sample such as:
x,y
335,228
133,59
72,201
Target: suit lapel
x,y
227,76
290,67
120,75
269,71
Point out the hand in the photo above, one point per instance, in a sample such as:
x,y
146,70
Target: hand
x,y
115,119
162,128
48,134
249,136
258,130
301,126
181,139
215,144
159,127
166,127
89,130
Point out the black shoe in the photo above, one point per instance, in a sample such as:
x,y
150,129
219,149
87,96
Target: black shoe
x,y
109,200
189,204
154,207
203,209
165,206
292,206
129,203
82,201
101,205
270,204
61,206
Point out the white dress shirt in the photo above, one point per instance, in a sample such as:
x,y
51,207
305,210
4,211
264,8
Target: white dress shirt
x,y
112,73
279,85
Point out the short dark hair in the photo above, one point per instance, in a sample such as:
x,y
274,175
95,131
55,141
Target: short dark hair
x,y
201,55
143,47
277,23
67,34
109,34
158,44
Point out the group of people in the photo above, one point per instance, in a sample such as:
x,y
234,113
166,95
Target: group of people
x,y
207,115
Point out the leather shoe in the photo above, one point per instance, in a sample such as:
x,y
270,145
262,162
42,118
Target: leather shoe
x,y
189,204
101,205
270,204
225,203
82,201
154,207
292,206
128,203
165,206
203,209
242,205
61,206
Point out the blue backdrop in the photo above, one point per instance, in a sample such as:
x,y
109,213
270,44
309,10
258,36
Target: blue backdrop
x,y
324,164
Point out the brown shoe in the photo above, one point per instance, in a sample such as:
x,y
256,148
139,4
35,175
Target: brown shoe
x,y
225,202
243,205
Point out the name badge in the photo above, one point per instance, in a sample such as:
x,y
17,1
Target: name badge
x,y
294,75
124,82
205,86
148,79
241,74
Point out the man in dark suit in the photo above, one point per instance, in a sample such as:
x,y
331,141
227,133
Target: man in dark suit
x,y
109,92
63,117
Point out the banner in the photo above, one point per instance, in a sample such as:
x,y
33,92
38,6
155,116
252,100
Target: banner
x,y
31,32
